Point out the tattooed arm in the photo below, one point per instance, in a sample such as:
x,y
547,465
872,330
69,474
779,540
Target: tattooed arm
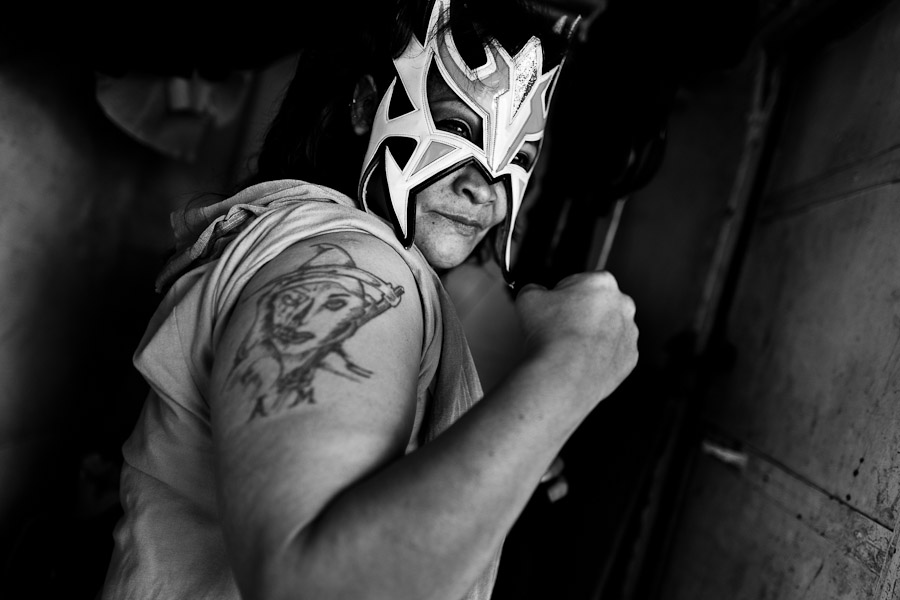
x,y
313,404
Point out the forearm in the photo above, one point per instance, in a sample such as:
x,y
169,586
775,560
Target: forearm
x,y
317,498
427,525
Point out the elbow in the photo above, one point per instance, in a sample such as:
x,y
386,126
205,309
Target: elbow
x,y
291,572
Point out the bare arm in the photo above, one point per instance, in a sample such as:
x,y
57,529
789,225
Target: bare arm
x,y
319,500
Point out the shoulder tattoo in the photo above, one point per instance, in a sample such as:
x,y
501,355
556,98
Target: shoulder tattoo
x,y
302,320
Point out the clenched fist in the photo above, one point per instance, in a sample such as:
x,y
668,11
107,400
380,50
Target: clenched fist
x,y
586,324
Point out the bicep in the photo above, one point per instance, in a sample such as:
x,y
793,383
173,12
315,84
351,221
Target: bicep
x,y
314,384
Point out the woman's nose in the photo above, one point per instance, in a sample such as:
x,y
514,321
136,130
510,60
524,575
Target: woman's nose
x,y
472,183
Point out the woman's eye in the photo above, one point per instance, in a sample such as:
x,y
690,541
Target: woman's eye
x,y
522,159
334,304
289,300
456,127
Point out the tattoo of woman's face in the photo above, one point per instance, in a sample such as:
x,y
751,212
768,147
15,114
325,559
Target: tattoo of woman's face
x,y
302,319
303,315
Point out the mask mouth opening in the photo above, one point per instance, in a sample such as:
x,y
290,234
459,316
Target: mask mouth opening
x,y
380,204
497,237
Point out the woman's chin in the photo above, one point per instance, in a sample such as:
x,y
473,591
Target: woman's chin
x,y
444,263
445,258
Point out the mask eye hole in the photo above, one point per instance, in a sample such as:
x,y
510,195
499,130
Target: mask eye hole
x,y
456,127
523,160
449,112
525,157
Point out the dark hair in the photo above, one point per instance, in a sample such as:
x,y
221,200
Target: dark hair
x,y
310,137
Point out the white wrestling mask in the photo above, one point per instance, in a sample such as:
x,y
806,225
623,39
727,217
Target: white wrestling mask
x,y
510,94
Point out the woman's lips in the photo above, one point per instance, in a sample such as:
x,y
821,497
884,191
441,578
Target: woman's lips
x,y
292,336
463,224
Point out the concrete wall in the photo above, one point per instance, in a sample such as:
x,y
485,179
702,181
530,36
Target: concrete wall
x,y
812,399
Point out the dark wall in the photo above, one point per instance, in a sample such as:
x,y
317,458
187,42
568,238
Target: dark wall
x,y
84,230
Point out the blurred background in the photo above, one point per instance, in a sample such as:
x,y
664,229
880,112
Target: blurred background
x,y
734,164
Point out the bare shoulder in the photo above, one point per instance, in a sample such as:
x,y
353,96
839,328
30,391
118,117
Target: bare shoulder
x,y
313,324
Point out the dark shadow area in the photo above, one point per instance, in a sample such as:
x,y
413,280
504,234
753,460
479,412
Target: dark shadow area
x,y
562,549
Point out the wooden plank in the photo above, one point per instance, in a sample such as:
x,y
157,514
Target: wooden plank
x,y
816,325
763,533
881,170
758,126
844,107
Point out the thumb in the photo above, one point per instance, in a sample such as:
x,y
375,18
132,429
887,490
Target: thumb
x,y
530,287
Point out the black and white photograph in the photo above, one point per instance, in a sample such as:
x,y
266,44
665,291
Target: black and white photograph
x,y
450,300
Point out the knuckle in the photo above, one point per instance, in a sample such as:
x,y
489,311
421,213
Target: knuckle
x,y
608,278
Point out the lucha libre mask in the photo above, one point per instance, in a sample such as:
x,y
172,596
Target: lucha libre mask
x,y
509,93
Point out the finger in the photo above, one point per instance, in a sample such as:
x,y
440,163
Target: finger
x,y
630,307
558,490
556,467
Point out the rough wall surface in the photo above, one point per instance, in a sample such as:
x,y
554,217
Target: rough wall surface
x,y
813,396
